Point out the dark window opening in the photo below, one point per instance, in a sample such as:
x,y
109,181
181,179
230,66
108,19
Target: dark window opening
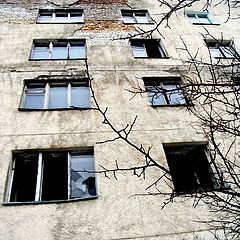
x,y
25,167
190,168
147,48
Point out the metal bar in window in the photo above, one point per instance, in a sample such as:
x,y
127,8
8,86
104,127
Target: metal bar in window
x,y
69,175
11,180
68,50
50,50
46,97
39,178
69,100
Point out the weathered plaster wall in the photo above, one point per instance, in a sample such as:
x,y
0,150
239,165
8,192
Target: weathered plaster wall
x,y
123,210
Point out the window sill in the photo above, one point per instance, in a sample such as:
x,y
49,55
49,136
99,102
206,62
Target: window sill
x,y
61,23
152,57
173,105
51,109
150,23
49,202
59,59
214,24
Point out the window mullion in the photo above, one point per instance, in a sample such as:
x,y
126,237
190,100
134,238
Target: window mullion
x,y
53,17
39,179
134,17
50,50
69,99
69,17
69,175
68,50
11,180
46,95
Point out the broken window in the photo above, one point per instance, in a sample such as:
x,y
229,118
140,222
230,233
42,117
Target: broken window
x,y
222,49
52,176
58,49
190,168
199,18
135,16
60,16
147,48
56,95
164,91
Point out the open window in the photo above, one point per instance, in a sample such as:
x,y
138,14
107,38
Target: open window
x,y
221,49
56,94
58,49
147,48
164,91
52,176
190,168
60,16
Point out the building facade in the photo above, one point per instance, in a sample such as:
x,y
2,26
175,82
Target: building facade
x,y
54,140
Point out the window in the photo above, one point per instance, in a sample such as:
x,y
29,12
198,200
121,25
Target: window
x,y
51,176
135,16
56,95
199,18
164,91
190,168
147,48
58,49
222,49
60,16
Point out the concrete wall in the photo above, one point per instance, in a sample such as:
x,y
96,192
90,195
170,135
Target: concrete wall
x,y
123,209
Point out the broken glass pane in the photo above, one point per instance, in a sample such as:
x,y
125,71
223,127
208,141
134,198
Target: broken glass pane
x,y
82,176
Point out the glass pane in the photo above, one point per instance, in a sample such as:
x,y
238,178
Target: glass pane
x,y
204,19
45,19
34,98
77,51
141,17
175,96
40,52
76,17
129,19
59,51
139,51
215,52
61,17
82,183
58,97
228,52
193,19
155,96
80,96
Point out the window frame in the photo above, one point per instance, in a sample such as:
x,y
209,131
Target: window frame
x,y
213,173
146,43
83,82
87,151
159,82
134,17
53,15
198,16
50,47
219,46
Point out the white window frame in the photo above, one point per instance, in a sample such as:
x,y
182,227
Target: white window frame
x,y
135,19
198,18
50,49
38,192
46,94
216,49
55,19
159,90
